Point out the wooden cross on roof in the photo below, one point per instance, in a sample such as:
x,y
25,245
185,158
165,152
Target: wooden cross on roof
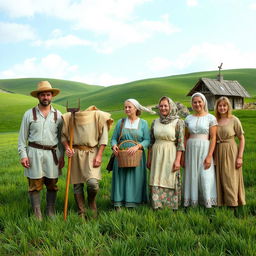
x,y
220,67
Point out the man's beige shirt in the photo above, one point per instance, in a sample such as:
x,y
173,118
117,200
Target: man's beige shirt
x,y
43,131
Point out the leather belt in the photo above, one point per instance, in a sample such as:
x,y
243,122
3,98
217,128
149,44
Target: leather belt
x,y
45,147
83,148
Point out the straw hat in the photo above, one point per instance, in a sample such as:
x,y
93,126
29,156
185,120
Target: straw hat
x,y
45,86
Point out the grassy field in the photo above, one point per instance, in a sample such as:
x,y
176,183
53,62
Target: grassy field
x,y
111,98
130,232
139,231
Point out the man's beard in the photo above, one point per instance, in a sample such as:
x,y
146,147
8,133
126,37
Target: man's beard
x,y
45,103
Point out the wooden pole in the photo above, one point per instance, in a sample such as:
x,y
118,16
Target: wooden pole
x,y
71,132
71,138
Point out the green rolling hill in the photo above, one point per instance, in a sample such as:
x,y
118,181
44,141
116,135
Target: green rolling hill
x,y
26,85
148,91
12,108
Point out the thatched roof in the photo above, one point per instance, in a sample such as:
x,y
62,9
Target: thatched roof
x,y
220,87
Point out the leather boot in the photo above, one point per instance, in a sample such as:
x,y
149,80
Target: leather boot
x,y
50,202
80,202
35,202
92,201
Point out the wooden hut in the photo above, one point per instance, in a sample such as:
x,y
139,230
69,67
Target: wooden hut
x,y
215,88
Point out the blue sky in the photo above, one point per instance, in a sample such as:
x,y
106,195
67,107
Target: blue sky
x,y
108,42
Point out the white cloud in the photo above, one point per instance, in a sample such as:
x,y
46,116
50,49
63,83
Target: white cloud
x,y
203,57
29,8
208,56
159,64
162,25
253,6
13,32
112,22
52,66
63,41
121,34
64,8
192,2
112,35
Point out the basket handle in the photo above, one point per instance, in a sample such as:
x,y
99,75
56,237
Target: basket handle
x,y
132,141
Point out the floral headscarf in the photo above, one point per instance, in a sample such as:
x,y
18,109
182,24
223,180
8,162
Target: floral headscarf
x,y
172,114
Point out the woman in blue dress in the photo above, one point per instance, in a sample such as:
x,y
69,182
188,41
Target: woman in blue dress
x,y
129,184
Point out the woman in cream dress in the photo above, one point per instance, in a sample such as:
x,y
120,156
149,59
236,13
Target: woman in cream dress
x,y
229,156
164,155
200,140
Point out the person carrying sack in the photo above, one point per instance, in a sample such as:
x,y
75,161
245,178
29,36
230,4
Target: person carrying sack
x,y
90,137
40,149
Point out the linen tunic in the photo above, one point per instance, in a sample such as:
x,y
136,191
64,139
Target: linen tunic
x,y
43,131
199,184
91,130
129,185
230,185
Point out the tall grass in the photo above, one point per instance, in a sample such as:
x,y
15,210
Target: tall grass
x,y
140,231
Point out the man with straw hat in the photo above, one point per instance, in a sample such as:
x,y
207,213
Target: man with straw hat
x,y
40,149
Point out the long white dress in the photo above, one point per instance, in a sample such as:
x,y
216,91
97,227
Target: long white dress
x,y
199,184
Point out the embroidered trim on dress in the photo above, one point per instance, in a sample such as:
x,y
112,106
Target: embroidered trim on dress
x,y
207,203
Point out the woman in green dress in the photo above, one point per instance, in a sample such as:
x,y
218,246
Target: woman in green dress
x,y
129,184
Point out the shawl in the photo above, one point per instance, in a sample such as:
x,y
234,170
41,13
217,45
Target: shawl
x,y
172,114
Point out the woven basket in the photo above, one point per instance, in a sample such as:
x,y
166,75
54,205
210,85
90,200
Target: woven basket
x,y
125,160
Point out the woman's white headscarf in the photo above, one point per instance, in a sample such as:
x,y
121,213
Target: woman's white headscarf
x,y
199,94
140,107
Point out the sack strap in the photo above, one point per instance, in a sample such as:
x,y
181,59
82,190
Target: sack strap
x,y
55,116
35,117
34,113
